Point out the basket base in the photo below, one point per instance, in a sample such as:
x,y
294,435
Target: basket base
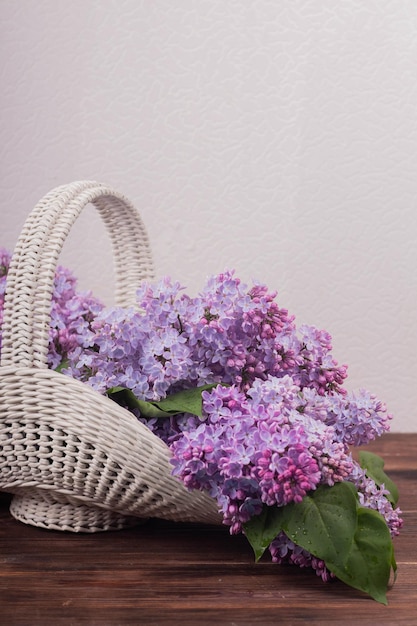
x,y
44,511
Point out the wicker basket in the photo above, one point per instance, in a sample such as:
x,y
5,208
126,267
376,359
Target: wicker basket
x,y
74,459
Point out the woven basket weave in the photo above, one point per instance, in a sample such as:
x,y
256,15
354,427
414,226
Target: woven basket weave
x,y
74,459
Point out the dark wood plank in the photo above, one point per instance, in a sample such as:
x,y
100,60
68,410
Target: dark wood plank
x,y
162,573
399,451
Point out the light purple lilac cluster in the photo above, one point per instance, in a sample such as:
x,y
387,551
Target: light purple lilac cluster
x,y
72,313
228,334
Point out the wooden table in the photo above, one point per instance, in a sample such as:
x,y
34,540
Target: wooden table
x,y
162,573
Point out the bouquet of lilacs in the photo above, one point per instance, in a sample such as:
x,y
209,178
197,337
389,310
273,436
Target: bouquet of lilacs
x,y
254,412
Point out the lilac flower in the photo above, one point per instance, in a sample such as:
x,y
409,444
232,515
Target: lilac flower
x,y
374,497
260,449
315,367
283,550
72,313
358,418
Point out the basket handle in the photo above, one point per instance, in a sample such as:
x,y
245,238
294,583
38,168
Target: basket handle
x,y
30,279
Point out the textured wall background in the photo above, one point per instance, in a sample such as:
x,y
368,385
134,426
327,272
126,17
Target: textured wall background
x,y
279,138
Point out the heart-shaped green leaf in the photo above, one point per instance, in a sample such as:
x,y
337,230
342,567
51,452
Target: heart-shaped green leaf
x,y
353,541
367,564
262,529
324,522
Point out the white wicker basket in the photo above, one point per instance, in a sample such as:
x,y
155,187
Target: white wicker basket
x,y
74,459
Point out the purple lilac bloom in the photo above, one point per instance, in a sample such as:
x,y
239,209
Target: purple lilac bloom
x,y
315,366
143,348
358,418
283,550
72,313
255,449
374,497
229,334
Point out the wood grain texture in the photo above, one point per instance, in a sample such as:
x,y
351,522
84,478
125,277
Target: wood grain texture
x,y
163,573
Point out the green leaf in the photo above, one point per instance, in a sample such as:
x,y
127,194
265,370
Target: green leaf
x,y
262,529
353,541
186,401
309,524
324,522
393,564
374,468
367,565
126,398
64,363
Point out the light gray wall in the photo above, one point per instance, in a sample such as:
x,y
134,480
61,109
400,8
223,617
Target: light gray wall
x,y
276,137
